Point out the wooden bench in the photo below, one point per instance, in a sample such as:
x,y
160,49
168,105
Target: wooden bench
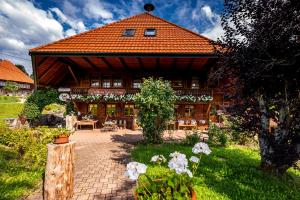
x,y
86,123
191,126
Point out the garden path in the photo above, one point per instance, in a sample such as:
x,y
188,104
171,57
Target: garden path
x,y
100,161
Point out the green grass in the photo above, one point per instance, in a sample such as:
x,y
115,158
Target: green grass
x,y
10,110
8,99
16,176
228,173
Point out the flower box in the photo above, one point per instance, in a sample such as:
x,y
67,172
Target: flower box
x,y
61,139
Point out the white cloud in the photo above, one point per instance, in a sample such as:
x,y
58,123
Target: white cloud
x,y
23,26
70,9
95,9
214,32
12,44
207,11
75,24
70,32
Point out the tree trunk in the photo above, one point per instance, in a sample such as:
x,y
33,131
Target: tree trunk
x,y
263,136
59,175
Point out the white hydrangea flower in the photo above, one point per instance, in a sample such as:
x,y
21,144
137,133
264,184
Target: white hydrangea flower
x,y
179,163
134,169
194,159
158,159
201,147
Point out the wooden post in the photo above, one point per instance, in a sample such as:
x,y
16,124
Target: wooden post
x,y
59,174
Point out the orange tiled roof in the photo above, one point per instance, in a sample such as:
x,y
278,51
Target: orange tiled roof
x,y
170,38
9,72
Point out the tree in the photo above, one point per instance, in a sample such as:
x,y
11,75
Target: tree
x,y
22,68
156,106
11,87
261,58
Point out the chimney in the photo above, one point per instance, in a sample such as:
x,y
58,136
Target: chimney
x,y
149,7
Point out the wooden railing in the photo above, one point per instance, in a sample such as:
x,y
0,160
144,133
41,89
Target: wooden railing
x,y
179,92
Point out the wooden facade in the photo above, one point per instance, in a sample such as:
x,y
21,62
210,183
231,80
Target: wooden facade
x,y
81,66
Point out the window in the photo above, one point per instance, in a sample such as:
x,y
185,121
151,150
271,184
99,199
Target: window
x,y
195,84
117,83
137,83
110,109
93,109
128,110
129,32
189,111
106,83
95,83
150,32
177,83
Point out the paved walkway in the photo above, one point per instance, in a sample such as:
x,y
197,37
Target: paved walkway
x,y
100,161
100,164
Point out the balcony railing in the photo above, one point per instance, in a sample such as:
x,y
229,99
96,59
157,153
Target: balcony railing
x,y
179,92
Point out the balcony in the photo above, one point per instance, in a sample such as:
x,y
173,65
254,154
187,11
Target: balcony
x,y
179,92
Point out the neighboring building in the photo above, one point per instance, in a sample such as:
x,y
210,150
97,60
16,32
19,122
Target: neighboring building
x,y
10,73
100,69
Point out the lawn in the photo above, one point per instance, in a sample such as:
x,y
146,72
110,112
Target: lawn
x,y
10,110
16,178
228,173
8,99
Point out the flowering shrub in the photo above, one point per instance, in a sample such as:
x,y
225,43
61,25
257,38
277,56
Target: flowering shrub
x,y
176,183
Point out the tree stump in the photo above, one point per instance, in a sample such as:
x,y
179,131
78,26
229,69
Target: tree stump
x,y
59,174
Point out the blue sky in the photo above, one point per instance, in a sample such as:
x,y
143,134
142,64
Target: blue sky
x,y
25,24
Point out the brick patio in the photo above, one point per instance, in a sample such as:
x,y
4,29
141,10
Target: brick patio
x,y
100,161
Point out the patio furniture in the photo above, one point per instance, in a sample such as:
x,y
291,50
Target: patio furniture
x,y
190,124
109,126
86,123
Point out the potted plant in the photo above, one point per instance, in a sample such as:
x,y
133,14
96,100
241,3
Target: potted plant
x,y
176,183
61,136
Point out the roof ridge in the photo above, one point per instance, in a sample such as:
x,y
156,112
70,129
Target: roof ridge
x,y
88,31
197,34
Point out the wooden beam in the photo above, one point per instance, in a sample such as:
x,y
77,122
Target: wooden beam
x,y
34,70
47,70
123,63
43,60
157,63
86,59
70,62
174,64
189,67
140,63
73,74
107,63
53,74
61,77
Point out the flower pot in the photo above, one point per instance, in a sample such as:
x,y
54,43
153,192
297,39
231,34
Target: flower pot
x,y
62,139
193,195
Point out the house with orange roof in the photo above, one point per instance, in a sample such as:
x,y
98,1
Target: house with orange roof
x,y
101,69
10,73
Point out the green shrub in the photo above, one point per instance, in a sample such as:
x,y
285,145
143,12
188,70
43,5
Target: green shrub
x,y
237,133
191,137
156,107
43,97
31,111
217,136
30,143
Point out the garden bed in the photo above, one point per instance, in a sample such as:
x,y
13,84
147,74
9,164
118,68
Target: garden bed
x,y
17,177
228,173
